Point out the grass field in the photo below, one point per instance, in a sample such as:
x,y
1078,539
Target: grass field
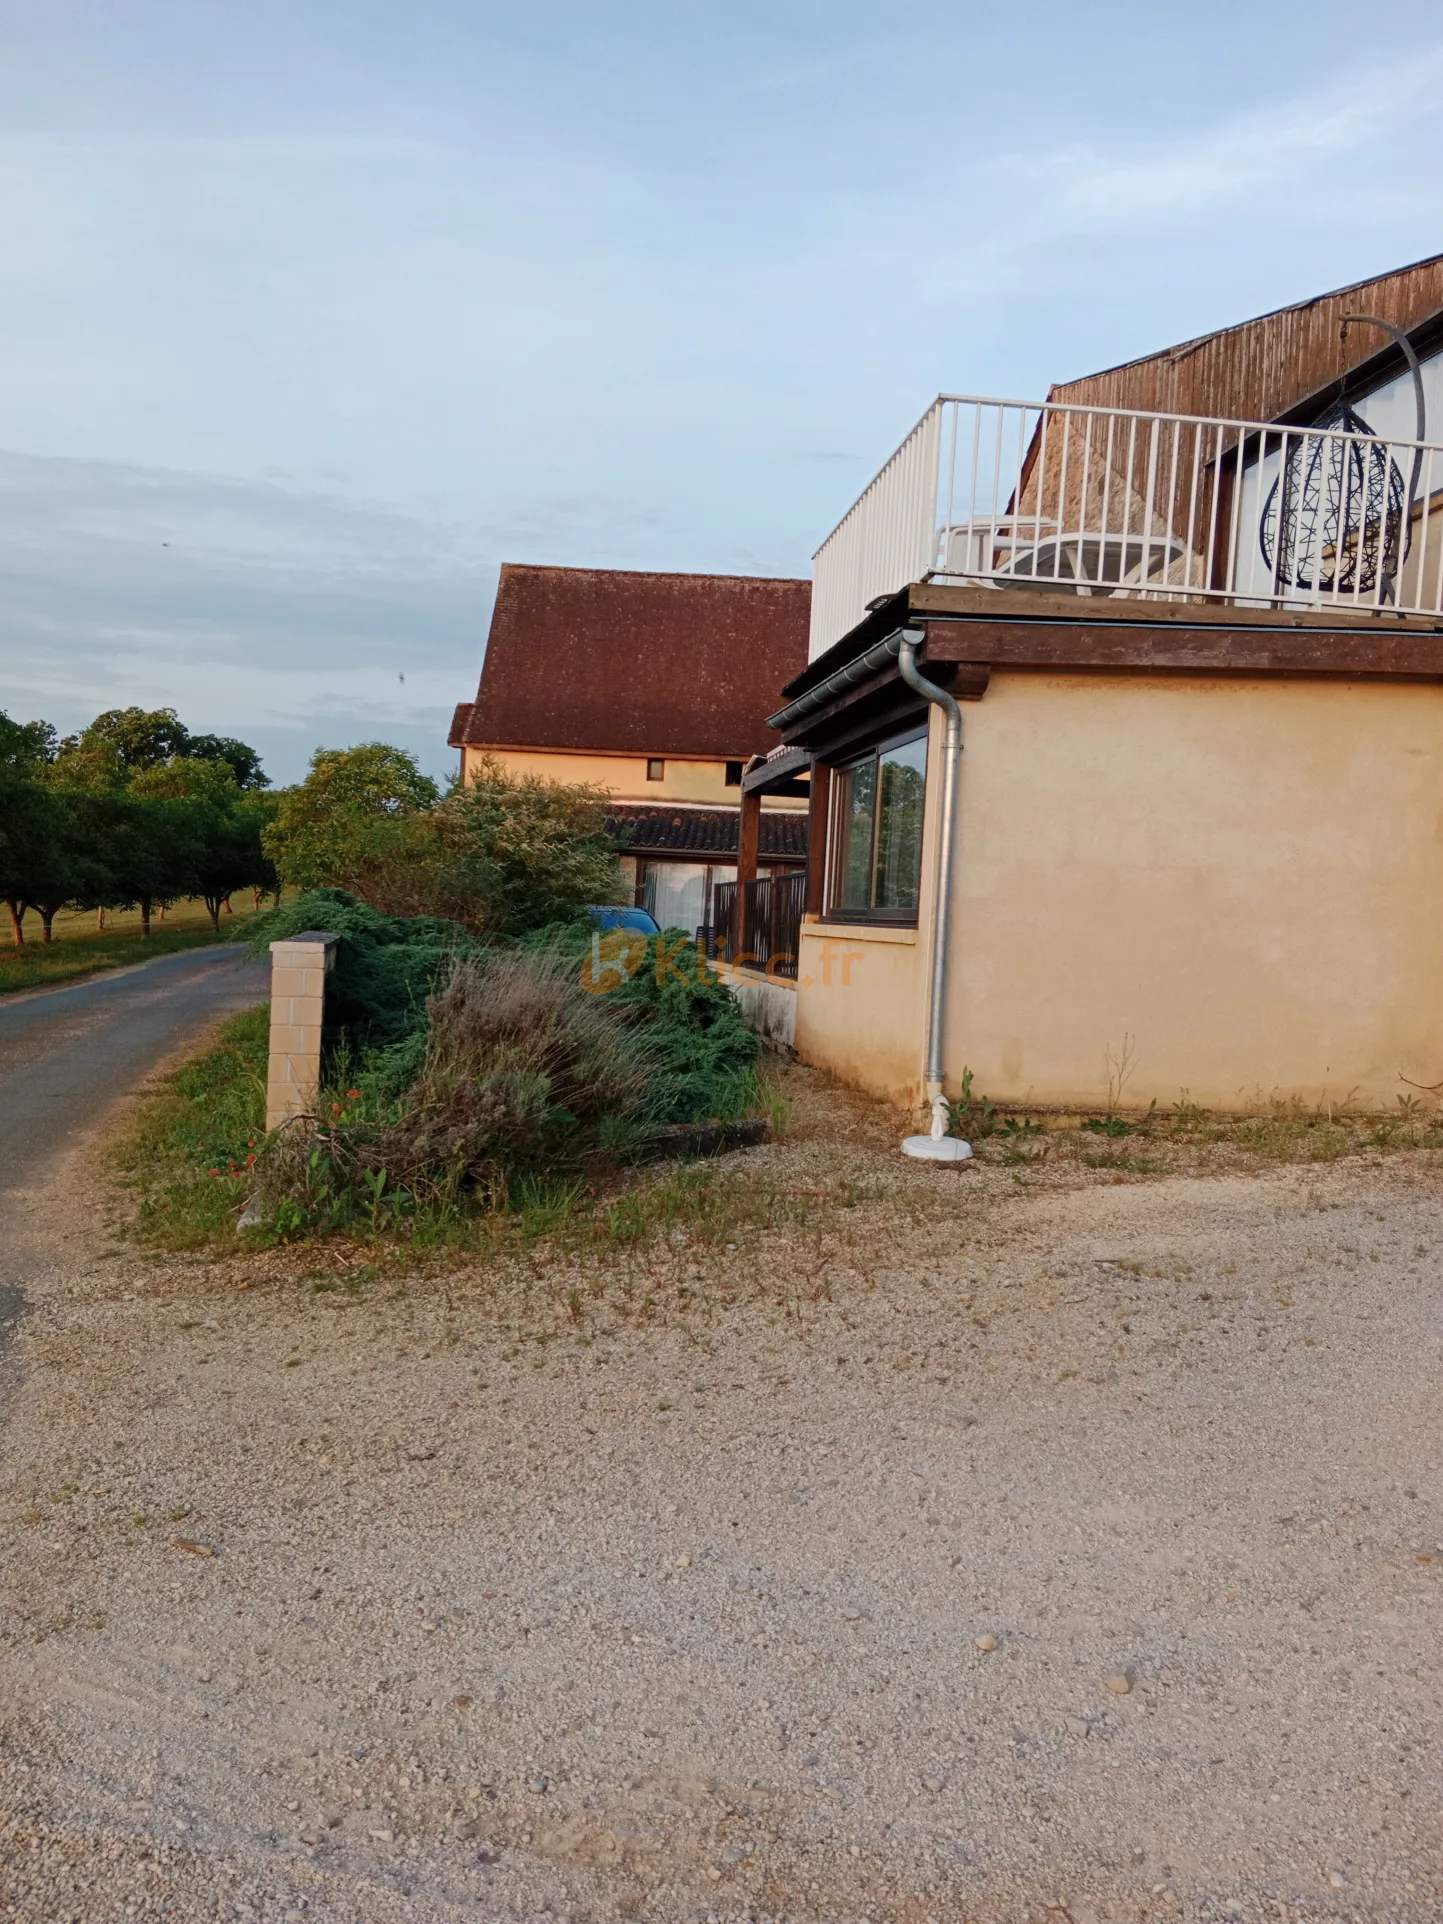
x,y
79,948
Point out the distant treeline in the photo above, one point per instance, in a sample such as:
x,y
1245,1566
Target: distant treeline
x,y
133,812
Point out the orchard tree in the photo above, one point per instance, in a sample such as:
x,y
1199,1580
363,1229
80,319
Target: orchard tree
x,y
29,823
223,849
153,850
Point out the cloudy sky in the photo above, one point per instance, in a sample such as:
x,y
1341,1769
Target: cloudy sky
x,y
311,312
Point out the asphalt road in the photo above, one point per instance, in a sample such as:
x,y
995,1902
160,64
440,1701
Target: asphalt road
x,y
66,1054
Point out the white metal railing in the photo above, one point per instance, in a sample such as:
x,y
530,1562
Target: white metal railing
x,y
1112,501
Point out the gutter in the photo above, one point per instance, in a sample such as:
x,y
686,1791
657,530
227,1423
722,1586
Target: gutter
x,y
880,655
901,647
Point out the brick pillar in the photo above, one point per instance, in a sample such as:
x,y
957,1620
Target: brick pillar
x,y
299,967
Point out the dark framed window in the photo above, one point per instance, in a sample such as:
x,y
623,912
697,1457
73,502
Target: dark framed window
x,y
734,774
656,770
877,802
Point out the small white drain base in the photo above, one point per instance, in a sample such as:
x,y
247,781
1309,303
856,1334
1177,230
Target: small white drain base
x,y
937,1148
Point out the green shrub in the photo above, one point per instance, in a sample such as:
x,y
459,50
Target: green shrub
x,y
500,855
705,1055
385,965
524,1065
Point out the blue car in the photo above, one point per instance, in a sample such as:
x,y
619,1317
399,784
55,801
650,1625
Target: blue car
x,y
610,918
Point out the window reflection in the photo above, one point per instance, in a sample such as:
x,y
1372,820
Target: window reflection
x,y
880,799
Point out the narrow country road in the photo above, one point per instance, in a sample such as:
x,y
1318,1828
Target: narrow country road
x,y
66,1054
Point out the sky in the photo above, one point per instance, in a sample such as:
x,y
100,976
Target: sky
x,y
312,314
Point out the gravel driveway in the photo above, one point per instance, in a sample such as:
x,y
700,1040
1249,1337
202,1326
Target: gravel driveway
x,y
1004,1544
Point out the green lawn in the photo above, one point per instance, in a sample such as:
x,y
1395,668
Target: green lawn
x,y
80,949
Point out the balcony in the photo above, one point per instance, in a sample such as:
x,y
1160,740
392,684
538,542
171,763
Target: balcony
x,y
1087,501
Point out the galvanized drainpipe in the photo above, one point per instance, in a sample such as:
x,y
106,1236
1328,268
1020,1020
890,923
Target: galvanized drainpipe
x,y
942,907
902,647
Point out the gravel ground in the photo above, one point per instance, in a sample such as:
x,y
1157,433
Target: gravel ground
x,y
1011,1541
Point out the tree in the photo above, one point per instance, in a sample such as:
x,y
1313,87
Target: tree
x,y
74,866
497,855
259,810
123,741
153,847
359,822
223,848
29,822
26,745
520,854
243,761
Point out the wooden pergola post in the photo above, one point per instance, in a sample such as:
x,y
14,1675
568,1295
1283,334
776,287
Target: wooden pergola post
x,y
817,837
749,837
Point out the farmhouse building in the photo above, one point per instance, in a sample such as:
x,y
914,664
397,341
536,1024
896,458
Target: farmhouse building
x,y
655,688
1186,617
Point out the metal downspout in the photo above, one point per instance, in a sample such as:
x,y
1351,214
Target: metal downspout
x,y
932,1146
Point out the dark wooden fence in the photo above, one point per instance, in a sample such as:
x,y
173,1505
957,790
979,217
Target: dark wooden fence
x,y
771,931
723,913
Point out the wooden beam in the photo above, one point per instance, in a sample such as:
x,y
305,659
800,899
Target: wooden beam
x,y
1215,651
781,768
749,836
817,818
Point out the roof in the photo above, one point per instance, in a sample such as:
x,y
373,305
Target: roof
x,y
604,659
705,831
1259,369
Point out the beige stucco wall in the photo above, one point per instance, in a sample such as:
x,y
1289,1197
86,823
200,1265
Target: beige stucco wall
x,y
859,1006
1244,877
624,776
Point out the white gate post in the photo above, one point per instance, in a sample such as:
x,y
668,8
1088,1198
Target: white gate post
x,y
299,967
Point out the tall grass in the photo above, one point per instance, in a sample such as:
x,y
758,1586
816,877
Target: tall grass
x,y
189,1157
523,1076
522,1095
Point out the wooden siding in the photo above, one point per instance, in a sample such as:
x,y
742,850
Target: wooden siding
x,y
1264,367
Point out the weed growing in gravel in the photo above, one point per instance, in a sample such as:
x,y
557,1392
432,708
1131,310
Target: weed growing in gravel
x,y
1191,1137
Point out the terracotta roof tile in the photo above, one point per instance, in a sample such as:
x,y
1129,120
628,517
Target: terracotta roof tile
x,y
648,664
705,831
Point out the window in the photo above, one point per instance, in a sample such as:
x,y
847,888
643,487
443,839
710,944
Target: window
x,y
734,774
656,771
877,853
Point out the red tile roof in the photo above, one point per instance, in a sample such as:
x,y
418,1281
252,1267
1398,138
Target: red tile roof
x,y
645,664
